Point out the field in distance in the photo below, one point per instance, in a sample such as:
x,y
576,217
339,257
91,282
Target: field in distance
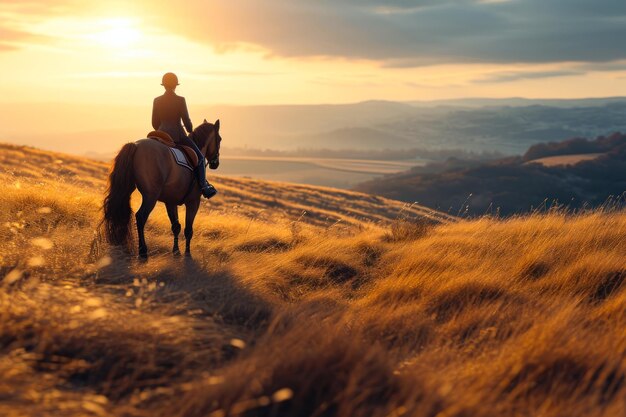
x,y
303,301
330,172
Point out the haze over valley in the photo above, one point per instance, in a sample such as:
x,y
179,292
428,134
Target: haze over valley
x,y
333,145
508,126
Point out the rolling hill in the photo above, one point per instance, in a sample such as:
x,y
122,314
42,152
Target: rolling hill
x,y
248,197
508,126
363,307
577,173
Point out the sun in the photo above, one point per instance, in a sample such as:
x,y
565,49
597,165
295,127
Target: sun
x,y
117,33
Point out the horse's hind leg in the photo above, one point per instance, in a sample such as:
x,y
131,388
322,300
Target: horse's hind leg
x,y
172,213
191,210
147,205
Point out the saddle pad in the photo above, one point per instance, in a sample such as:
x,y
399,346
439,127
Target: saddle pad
x,y
192,157
181,158
166,139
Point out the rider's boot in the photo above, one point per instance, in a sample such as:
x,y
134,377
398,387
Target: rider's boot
x,y
207,189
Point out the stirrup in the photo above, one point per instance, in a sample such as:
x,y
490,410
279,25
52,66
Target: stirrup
x,y
208,191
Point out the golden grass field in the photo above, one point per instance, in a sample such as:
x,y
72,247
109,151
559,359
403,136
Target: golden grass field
x,y
303,301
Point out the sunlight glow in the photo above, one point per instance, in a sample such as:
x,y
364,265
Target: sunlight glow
x,y
117,33
118,53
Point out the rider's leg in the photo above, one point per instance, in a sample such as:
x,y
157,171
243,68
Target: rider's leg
x,y
207,189
185,140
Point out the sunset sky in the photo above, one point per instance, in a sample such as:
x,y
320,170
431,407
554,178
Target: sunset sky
x,y
307,51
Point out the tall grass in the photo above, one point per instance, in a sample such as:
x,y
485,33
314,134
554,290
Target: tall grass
x,y
482,317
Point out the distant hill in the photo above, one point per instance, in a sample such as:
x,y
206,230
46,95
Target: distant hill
x,y
510,130
358,138
517,184
519,102
30,167
493,126
289,127
507,126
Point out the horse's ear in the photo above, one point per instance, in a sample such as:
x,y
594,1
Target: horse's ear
x,y
205,121
217,124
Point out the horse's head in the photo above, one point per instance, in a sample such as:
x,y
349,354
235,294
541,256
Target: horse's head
x,y
208,139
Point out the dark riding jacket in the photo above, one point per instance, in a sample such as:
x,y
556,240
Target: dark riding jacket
x,y
167,112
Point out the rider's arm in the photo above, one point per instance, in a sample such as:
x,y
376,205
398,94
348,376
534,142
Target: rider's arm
x,y
155,117
185,117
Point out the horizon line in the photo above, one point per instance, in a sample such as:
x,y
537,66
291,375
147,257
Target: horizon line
x,y
372,100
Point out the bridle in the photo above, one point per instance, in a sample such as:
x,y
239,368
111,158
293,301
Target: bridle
x,y
215,160
216,157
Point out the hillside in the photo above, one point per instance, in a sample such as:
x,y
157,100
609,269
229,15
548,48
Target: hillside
x,y
576,173
257,199
279,314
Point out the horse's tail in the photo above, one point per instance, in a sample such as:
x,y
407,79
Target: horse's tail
x,y
117,210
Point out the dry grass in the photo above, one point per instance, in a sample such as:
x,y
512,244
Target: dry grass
x,y
276,316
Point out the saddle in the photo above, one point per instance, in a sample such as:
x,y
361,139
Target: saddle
x,y
183,155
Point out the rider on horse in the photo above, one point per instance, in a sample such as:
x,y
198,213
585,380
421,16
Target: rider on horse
x,y
167,112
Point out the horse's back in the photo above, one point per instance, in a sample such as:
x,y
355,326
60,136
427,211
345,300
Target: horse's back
x,y
157,174
152,158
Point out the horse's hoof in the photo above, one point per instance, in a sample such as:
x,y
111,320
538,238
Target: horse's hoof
x,y
176,253
143,257
188,254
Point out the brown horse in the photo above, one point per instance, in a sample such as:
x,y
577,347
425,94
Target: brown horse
x,y
148,165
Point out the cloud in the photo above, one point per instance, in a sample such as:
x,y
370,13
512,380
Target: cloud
x,y
10,39
505,77
44,7
14,13
396,33
416,32
604,66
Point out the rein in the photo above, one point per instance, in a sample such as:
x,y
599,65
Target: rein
x,y
207,161
215,159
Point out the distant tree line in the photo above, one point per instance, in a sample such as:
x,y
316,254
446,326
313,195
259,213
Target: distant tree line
x,y
575,146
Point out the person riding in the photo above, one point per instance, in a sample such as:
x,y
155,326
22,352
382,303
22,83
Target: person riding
x,y
167,112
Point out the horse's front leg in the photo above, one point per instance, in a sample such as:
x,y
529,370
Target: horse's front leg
x,y
191,209
172,213
147,205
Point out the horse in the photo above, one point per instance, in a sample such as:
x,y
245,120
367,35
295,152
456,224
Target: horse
x,y
148,166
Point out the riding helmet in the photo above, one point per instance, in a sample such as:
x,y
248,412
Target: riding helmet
x,y
169,80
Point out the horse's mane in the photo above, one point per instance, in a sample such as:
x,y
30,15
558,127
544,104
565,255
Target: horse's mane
x,y
201,133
